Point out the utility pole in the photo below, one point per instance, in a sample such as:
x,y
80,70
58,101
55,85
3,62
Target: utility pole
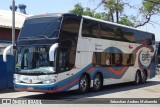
x,y
13,30
7,49
13,24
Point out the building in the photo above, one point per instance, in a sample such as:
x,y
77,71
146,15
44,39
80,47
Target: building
x,y
6,27
6,69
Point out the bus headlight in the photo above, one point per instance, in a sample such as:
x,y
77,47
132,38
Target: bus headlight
x,y
49,81
15,80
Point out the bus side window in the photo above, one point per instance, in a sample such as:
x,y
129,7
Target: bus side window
x,y
68,39
128,59
93,59
96,59
113,59
125,59
105,59
118,59
90,28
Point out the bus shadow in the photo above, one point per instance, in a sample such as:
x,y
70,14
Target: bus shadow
x,y
73,95
8,90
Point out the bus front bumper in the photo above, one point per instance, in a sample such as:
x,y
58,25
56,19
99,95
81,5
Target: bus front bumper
x,y
47,88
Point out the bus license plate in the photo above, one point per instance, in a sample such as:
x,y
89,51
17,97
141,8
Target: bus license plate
x,y
30,88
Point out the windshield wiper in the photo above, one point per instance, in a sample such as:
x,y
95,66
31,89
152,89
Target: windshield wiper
x,y
43,36
44,72
48,36
24,38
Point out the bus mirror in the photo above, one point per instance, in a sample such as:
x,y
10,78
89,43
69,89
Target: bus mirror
x,y
5,52
52,51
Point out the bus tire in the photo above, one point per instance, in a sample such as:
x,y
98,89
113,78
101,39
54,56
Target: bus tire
x,y
83,84
137,78
97,82
144,77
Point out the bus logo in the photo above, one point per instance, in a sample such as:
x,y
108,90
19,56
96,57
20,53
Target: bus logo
x,y
145,58
25,79
30,81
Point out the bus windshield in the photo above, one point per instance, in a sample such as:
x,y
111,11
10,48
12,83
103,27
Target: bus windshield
x,y
36,28
34,60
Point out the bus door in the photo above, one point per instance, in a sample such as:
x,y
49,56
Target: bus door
x,y
68,46
66,62
63,70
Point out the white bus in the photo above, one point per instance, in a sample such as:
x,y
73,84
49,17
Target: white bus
x,y
62,52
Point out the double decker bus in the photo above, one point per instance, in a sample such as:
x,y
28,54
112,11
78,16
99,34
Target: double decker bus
x,y
62,52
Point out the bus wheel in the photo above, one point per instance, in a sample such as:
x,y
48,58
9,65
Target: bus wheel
x,y
97,82
144,78
138,78
83,84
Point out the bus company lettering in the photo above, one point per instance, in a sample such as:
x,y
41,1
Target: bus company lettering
x,y
37,49
98,47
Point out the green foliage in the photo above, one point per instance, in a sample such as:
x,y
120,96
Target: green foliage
x,y
88,12
125,21
147,6
114,5
114,8
102,16
151,6
114,12
78,9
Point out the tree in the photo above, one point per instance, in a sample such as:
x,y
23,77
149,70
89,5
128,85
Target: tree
x,y
78,9
125,21
114,12
114,7
149,8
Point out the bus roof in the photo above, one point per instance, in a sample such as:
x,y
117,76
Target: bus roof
x,y
87,17
53,15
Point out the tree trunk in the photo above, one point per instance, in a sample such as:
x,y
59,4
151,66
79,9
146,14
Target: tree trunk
x,y
117,11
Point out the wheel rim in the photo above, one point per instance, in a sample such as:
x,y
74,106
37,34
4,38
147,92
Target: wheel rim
x,y
97,82
83,84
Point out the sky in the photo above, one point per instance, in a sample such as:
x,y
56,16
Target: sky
x,y
35,7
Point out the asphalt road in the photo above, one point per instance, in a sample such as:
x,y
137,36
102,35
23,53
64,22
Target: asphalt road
x,y
151,89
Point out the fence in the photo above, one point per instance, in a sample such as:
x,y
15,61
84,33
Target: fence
x,y
6,72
